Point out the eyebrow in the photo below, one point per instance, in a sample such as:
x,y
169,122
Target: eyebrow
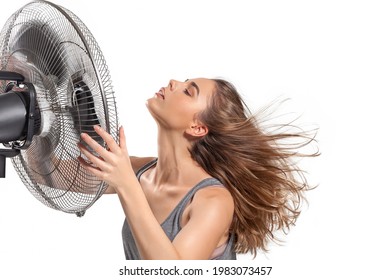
x,y
195,86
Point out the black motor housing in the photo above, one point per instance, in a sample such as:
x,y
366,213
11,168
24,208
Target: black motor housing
x,y
19,116
13,116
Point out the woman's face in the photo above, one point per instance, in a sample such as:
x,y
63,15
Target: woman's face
x,y
176,105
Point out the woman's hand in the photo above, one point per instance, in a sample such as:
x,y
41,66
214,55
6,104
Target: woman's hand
x,y
113,165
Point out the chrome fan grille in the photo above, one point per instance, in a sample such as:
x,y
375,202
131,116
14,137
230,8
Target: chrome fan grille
x,y
57,53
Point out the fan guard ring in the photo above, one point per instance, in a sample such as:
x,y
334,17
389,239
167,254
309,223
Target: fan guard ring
x,y
54,50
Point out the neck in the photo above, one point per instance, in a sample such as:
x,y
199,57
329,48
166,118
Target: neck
x,y
174,160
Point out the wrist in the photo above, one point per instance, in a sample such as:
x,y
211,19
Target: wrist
x,y
127,185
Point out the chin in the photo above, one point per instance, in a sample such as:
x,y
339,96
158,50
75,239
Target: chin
x,y
151,104
152,108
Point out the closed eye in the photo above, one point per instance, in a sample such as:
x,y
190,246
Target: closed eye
x,y
186,91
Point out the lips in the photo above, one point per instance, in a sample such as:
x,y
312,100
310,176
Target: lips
x,y
161,93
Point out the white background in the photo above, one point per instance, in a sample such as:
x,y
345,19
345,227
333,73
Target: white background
x,y
332,58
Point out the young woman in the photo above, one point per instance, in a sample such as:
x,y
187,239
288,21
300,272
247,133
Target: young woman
x,y
220,185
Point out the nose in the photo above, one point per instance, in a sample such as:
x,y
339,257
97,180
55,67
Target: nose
x,y
172,84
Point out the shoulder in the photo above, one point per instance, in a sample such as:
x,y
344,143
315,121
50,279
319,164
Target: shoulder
x,y
209,218
138,162
216,201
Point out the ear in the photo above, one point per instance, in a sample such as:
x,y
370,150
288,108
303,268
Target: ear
x,y
197,130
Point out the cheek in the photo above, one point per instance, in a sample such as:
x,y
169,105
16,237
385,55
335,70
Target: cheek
x,y
179,115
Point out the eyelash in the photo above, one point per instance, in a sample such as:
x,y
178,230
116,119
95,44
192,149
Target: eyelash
x,y
187,92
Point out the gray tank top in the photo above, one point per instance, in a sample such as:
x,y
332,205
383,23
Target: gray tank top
x,y
171,225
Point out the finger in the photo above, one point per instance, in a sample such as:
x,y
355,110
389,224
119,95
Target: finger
x,y
92,158
95,171
95,146
122,139
111,144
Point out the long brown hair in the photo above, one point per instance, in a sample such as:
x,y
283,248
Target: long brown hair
x,y
257,166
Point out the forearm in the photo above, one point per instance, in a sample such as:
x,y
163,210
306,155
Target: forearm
x,y
151,240
114,166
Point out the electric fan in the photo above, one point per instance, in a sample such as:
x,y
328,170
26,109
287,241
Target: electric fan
x,y
54,85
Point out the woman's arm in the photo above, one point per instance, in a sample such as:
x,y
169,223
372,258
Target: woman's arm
x,y
210,212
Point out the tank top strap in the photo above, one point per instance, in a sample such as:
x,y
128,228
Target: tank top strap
x,y
202,184
145,167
